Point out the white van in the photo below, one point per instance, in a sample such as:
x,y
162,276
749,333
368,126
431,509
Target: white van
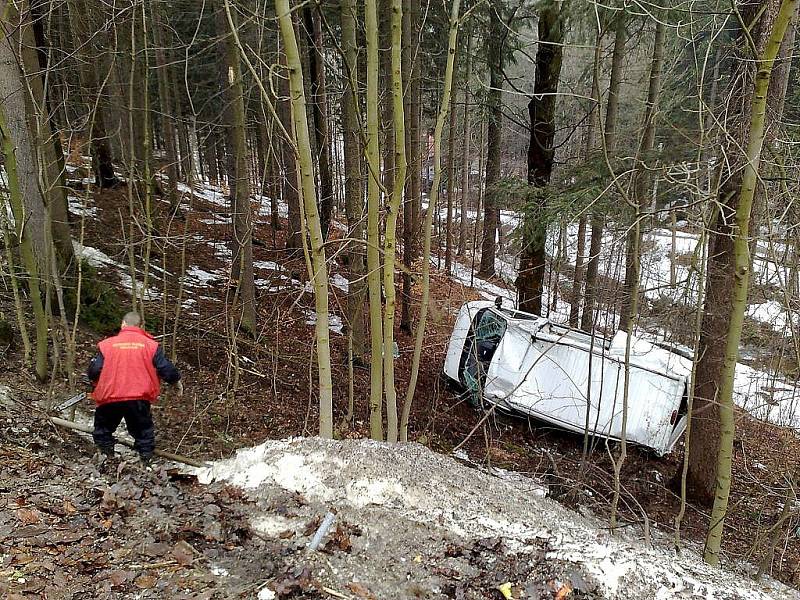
x,y
527,364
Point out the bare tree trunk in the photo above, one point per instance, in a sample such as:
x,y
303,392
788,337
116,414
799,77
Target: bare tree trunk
x,y
749,116
353,180
23,171
291,188
413,184
238,178
390,237
497,33
313,27
451,180
373,234
166,104
465,153
44,139
385,96
312,218
542,114
641,181
609,144
426,265
737,194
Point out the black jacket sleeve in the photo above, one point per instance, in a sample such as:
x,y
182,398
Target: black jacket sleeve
x,y
165,369
93,372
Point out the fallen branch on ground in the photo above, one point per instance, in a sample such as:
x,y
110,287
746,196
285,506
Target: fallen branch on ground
x,y
162,453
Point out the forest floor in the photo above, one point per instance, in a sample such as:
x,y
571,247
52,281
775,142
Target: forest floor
x,y
95,512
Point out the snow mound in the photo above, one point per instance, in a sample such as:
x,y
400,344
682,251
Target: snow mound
x,y
407,499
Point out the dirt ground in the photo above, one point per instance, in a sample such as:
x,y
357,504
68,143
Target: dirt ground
x,y
275,400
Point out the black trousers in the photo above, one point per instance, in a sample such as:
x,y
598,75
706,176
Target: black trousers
x,y
138,420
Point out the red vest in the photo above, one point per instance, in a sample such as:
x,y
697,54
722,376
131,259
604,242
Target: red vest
x,y
128,372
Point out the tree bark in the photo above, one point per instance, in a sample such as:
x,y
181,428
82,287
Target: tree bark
x,y
24,175
390,236
353,179
542,114
238,176
166,103
641,181
312,217
465,153
412,202
419,335
373,235
291,188
749,115
716,368
313,28
451,181
609,145
494,135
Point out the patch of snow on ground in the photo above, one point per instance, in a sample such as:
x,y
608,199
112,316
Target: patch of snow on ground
x,y
216,220
222,250
265,207
197,277
341,282
77,206
334,321
98,258
403,494
488,290
266,594
266,264
219,571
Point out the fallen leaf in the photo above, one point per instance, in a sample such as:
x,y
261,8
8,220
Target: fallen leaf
x,y
293,583
119,578
145,582
340,540
506,590
312,526
69,507
183,553
565,591
28,516
360,590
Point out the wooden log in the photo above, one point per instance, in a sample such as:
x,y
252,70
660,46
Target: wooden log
x,y
162,453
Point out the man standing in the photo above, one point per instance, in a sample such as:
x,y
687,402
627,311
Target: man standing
x,y
126,374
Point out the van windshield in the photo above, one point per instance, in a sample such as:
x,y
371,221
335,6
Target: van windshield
x,y
487,330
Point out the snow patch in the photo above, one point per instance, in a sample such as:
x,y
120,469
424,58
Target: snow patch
x,y
197,277
334,321
79,207
271,525
341,282
399,492
266,594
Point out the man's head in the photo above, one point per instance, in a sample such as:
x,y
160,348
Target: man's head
x,y
132,319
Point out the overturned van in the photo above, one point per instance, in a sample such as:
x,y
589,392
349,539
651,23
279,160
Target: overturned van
x,y
528,364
